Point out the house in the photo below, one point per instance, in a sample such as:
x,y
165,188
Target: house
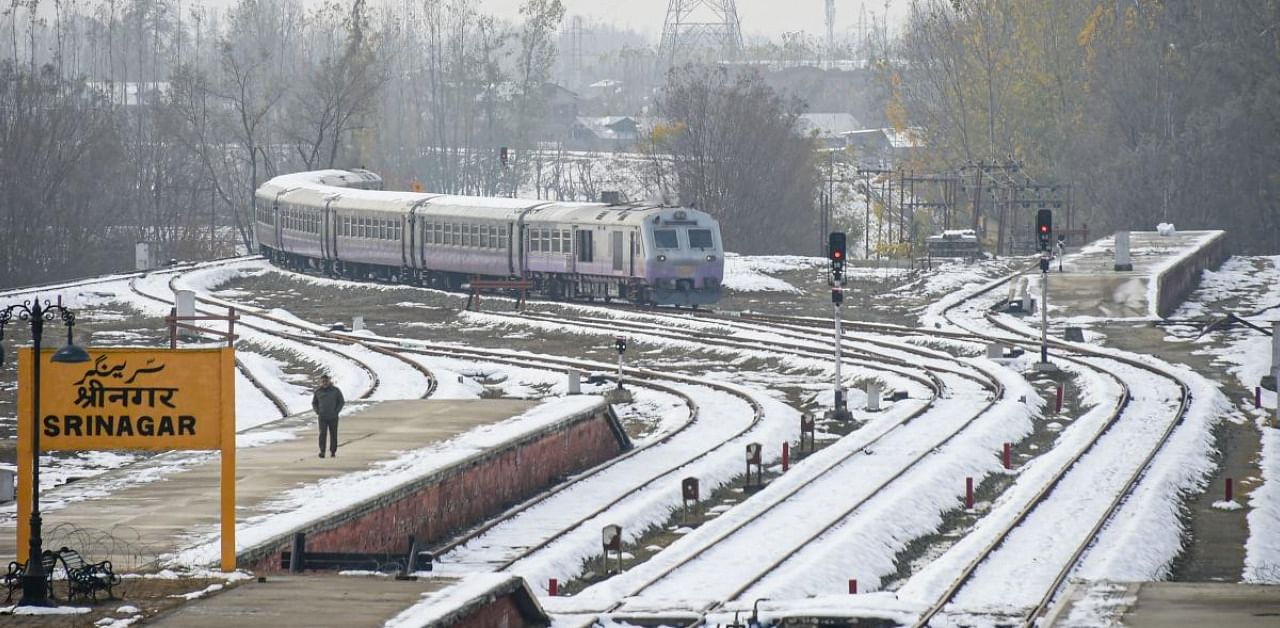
x,y
605,132
828,128
885,144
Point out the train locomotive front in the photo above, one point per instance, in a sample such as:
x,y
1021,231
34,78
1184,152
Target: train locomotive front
x,y
341,223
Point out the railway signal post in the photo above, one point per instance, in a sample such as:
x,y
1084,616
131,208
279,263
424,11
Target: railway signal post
x,y
1044,235
836,254
619,394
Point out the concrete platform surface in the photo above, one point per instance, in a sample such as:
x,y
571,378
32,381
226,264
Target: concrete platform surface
x,y
1198,604
1089,285
311,600
133,515
1166,605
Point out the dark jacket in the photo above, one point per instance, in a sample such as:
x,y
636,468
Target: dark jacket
x,y
327,401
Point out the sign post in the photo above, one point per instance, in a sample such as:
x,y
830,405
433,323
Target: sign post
x,y
132,398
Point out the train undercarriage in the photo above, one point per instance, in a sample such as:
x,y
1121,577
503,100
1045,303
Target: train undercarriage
x,y
554,286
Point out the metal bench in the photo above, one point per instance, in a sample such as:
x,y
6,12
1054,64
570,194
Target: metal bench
x,y
85,578
13,579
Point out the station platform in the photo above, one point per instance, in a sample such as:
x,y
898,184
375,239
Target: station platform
x,y
414,459
1165,269
1170,605
360,601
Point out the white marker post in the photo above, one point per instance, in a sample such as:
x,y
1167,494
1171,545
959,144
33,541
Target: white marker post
x,y
1275,364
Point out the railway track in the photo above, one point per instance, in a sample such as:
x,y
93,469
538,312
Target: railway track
x,y
609,326
1087,358
1084,357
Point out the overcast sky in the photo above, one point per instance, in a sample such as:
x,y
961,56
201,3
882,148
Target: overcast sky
x,y
770,18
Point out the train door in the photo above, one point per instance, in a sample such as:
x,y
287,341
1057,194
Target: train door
x,y
324,229
586,252
511,250
406,239
631,253
615,243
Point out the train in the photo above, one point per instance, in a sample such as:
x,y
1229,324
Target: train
x,y
343,223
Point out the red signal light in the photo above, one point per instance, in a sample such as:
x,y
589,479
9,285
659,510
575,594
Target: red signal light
x,y
1044,228
837,254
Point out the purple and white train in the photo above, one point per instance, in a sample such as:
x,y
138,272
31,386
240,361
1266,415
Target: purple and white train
x,y
342,223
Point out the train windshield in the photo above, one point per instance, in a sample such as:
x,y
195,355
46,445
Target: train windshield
x,y
700,239
665,239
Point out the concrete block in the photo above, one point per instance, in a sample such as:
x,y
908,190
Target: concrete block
x,y
357,323
1123,262
6,485
575,383
186,302
1073,334
995,350
873,397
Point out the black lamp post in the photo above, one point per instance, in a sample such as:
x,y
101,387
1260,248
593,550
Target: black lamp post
x,y
34,592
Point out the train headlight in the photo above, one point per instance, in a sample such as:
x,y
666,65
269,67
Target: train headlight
x,y
662,258
711,258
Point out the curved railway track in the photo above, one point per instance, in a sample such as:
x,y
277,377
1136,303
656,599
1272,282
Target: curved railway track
x,y
815,474
1080,355
971,335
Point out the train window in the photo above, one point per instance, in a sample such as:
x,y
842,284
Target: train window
x,y
566,241
475,236
535,240
438,229
502,237
665,239
555,241
455,235
700,239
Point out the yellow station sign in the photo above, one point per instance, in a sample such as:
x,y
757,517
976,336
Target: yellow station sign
x,y
132,398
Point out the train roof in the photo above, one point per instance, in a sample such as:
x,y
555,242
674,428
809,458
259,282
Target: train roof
x,y
320,186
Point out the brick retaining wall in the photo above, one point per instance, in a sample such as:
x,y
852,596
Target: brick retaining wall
x,y
461,495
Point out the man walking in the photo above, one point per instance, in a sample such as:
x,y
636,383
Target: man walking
x,y
327,401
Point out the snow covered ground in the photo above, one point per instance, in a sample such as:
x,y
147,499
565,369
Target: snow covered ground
x,y
706,566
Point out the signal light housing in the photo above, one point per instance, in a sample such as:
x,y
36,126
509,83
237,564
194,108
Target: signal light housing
x,y
836,254
1044,228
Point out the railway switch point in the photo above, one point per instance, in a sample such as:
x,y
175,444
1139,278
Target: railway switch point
x,y
807,430
755,458
611,539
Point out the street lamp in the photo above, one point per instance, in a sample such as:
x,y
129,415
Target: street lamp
x,y
34,592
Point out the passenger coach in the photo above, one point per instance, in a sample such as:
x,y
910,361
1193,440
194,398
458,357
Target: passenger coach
x,y
342,223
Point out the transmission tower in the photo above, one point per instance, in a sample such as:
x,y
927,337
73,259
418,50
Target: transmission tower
x,y
831,34
701,31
